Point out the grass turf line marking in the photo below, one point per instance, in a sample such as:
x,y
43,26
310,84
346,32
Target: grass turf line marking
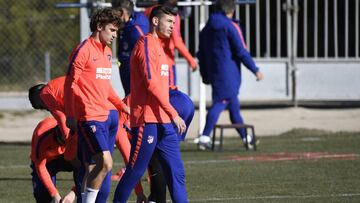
x,y
261,158
275,197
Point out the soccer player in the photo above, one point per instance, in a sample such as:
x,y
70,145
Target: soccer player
x,y
152,112
50,97
185,108
48,152
174,42
86,98
221,50
136,24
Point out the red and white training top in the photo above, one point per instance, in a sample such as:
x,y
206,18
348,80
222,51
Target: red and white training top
x,y
88,91
149,75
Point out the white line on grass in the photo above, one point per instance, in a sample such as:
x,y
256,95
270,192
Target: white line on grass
x,y
209,161
273,197
122,164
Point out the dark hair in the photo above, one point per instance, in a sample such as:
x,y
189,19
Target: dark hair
x,y
167,9
125,4
172,2
105,16
226,6
34,96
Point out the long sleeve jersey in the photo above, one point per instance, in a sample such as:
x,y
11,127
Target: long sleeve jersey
x,y
137,26
52,95
150,83
87,85
45,148
221,51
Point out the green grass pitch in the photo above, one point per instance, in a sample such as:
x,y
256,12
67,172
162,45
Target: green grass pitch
x,y
298,166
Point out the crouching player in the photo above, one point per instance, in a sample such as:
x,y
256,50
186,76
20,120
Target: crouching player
x,y
48,157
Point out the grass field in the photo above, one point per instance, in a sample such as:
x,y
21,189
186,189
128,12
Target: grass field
x,y
298,166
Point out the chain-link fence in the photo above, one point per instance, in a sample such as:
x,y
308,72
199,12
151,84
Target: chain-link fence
x,y
36,40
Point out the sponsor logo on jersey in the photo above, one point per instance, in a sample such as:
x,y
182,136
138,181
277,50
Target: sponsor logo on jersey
x,y
103,73
164,70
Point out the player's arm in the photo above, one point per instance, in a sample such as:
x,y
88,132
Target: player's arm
x,y
70,153
43,173
202,60
180,46
147,59
238,48
56,110
71,89
117,101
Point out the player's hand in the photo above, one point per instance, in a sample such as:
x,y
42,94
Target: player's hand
x,y
194,66
56,198
259,76
141,198
180,124
69,198
126,109
71,124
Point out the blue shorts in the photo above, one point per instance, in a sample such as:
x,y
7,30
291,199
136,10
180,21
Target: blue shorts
x,y
96,136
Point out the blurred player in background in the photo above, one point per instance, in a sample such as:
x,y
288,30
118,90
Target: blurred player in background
x,y
87,93
174,42
221,50
135,25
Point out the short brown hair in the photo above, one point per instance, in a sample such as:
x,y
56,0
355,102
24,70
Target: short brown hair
x,y
167,9
102,17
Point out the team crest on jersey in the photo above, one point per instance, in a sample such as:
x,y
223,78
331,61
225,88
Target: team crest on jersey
x,y
164,70
109,57
93,128
150,139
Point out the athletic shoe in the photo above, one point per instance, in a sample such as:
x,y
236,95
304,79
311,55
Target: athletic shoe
x,y
204,142
250,141
196,140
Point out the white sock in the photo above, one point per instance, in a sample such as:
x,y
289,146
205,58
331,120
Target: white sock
x,y
83,197
90,195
